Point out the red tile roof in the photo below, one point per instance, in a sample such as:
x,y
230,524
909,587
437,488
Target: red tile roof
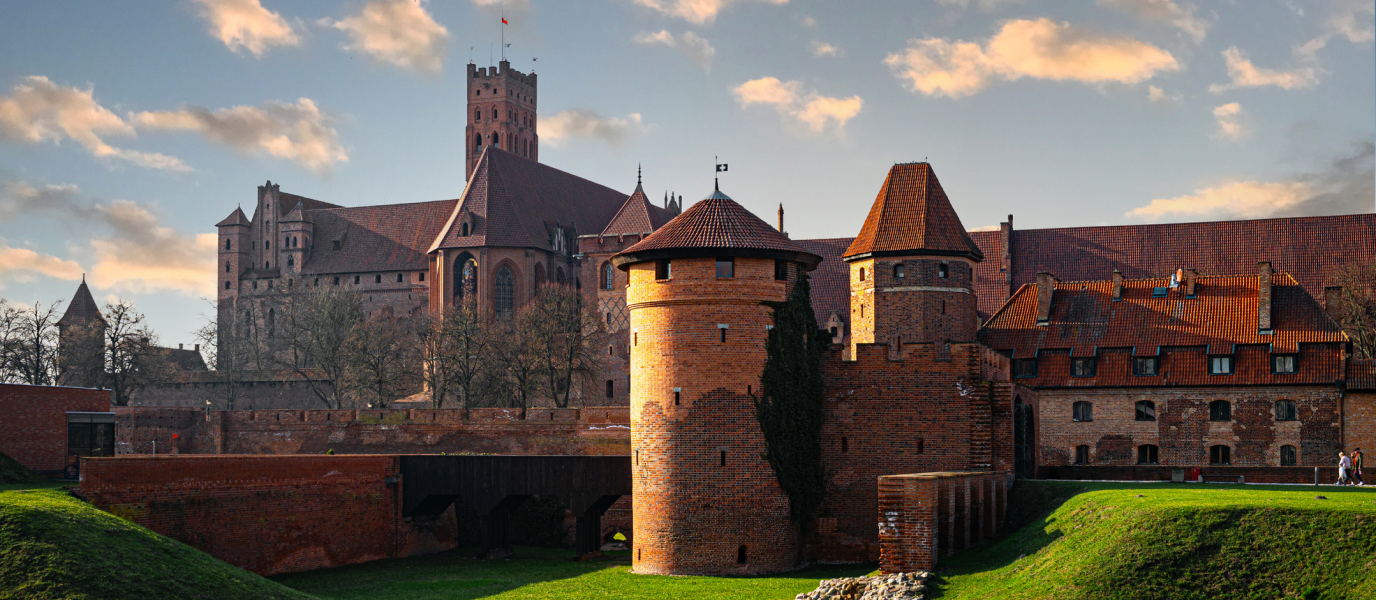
x,y
235,218
912,215
517,203
286,202
388,237
1309,248
830,280
637,215
1361,375
82,309
716,223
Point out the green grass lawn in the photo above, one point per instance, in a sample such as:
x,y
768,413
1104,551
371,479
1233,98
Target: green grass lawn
x,y
543,573
1102,541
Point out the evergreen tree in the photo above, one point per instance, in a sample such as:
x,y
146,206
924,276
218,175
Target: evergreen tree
x,y
789,407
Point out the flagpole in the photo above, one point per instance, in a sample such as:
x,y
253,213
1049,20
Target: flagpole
x,y
504,35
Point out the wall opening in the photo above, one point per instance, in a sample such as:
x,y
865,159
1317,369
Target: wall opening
x,y
740,555
845,445
723,458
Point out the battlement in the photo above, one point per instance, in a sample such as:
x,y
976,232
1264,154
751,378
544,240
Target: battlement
x,y
504,70
992,365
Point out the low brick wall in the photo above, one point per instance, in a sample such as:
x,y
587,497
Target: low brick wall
x,y
1146,473
33,421
269,514
925,516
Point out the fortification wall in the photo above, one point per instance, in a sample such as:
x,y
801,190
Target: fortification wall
x,y
269,514
33,429
594,431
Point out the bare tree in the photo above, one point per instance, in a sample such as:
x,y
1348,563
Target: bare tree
x,y
437,368
382,360
563,331
310,336
521,367
229,348
1356,305
34,347
132,359
472,339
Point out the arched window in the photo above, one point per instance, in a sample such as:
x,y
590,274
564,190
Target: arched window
x,y
1147,454
496,141
1220,455
477,142
1287,456
1082,455
229,245
1286,411
1082,411
898,271
539,276
607,276
862,273
466,278
477,114
494,114
1146,410
291,261
267,264
559,275
503,293
1220,410
226,267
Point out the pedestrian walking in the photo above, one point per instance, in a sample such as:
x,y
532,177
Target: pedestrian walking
x,y
1344,463
1357,467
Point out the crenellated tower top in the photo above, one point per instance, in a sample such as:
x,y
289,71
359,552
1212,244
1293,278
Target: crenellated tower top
x,y
501,113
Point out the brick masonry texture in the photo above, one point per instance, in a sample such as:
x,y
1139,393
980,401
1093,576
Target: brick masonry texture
x,y
34,426
269,514
923,517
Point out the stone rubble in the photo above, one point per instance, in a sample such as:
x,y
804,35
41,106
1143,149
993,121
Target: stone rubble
x,y
905,586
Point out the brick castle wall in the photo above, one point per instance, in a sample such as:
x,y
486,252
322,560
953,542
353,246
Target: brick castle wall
x,y
34,430
1182,430
920,306
692,410
269,514
909,411
1359,427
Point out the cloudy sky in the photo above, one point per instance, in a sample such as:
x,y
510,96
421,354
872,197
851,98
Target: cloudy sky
x,y
128,129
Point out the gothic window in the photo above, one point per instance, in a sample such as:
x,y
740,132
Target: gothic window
x,y
862,273
1287,456
1148,454
496,141
463,230
226,267
1082,411
267,264
291,261
477,142
1220,410
494,114
1146,410
1082,455
559,275
503,293
1285,411
608,280
1220,455
539,277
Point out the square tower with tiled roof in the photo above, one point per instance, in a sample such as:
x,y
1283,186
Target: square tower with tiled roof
x,y
501,113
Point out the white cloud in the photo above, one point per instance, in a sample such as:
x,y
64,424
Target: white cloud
x,y
1353,19
586,123
1346,186
786,97
982,5
808,22
1230,120
820,48
1166,11
695,11
39,110
697,49
246,25
1160,96
1040,49
297,132
1244,74
132,251
398,32
986,228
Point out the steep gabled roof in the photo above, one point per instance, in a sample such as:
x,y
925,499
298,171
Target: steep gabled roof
x,y
82,309
235,218
514,201
637,215
297,214
717,224
388,237
286,202
912,216
830,280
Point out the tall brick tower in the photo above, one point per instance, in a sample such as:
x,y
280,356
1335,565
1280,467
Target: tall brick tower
x,y
501,113
912,266
705,501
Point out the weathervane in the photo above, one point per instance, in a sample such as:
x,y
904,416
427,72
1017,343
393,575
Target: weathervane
x,y
721,168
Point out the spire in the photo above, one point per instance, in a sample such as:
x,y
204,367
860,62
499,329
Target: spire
x,y
912,216
781,217
637,174
82,309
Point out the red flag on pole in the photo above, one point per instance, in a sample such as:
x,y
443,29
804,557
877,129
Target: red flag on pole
x,y
504,21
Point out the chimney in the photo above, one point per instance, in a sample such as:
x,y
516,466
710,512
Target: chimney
x,y
1046,290
1117,285
1006,266
181,347
198,347
1264,297
1332,299
1191,280
781,217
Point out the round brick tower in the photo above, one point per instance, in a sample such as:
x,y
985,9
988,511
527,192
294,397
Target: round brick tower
x,y
706,502
912,266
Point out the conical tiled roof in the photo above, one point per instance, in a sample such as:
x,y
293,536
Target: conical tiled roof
x,y
82,309
911,216
235,218
716,225
637,215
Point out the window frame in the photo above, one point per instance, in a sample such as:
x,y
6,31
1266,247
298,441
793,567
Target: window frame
x,y
730,263
1075,412
1294,364
1152,454
1214,411
1229,368
1154,361
1294,456
1220,454
664,270
1294,410
1093,365
1139,414
898,271
1022,362
780,270
1082,456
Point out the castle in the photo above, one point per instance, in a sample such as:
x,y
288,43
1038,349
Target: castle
x,y
1103,352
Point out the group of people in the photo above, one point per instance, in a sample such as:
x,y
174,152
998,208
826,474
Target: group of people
x,y
1350,468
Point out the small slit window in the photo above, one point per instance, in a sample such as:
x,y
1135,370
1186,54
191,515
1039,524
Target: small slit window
x,y
1082,367
780,270
1146,410
1220,410
401,278
726,267
1287,456
845,445
1283,364
943,270
1286,411
377,278
1148,454
610,388
862,273
1220,365
336,245
723,458
740,555
1220,455
1082,411
1147,366
677,396
1082,455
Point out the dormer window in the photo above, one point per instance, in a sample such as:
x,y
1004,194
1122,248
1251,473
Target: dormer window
x,y
1082,367
463,230
1283,364
1148,366
1220,365
1025,367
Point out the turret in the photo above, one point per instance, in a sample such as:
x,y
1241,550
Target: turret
x,y
234,252
912,266
295,241
706,501
501,113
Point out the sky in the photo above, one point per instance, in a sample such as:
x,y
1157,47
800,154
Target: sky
x,y
128,129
